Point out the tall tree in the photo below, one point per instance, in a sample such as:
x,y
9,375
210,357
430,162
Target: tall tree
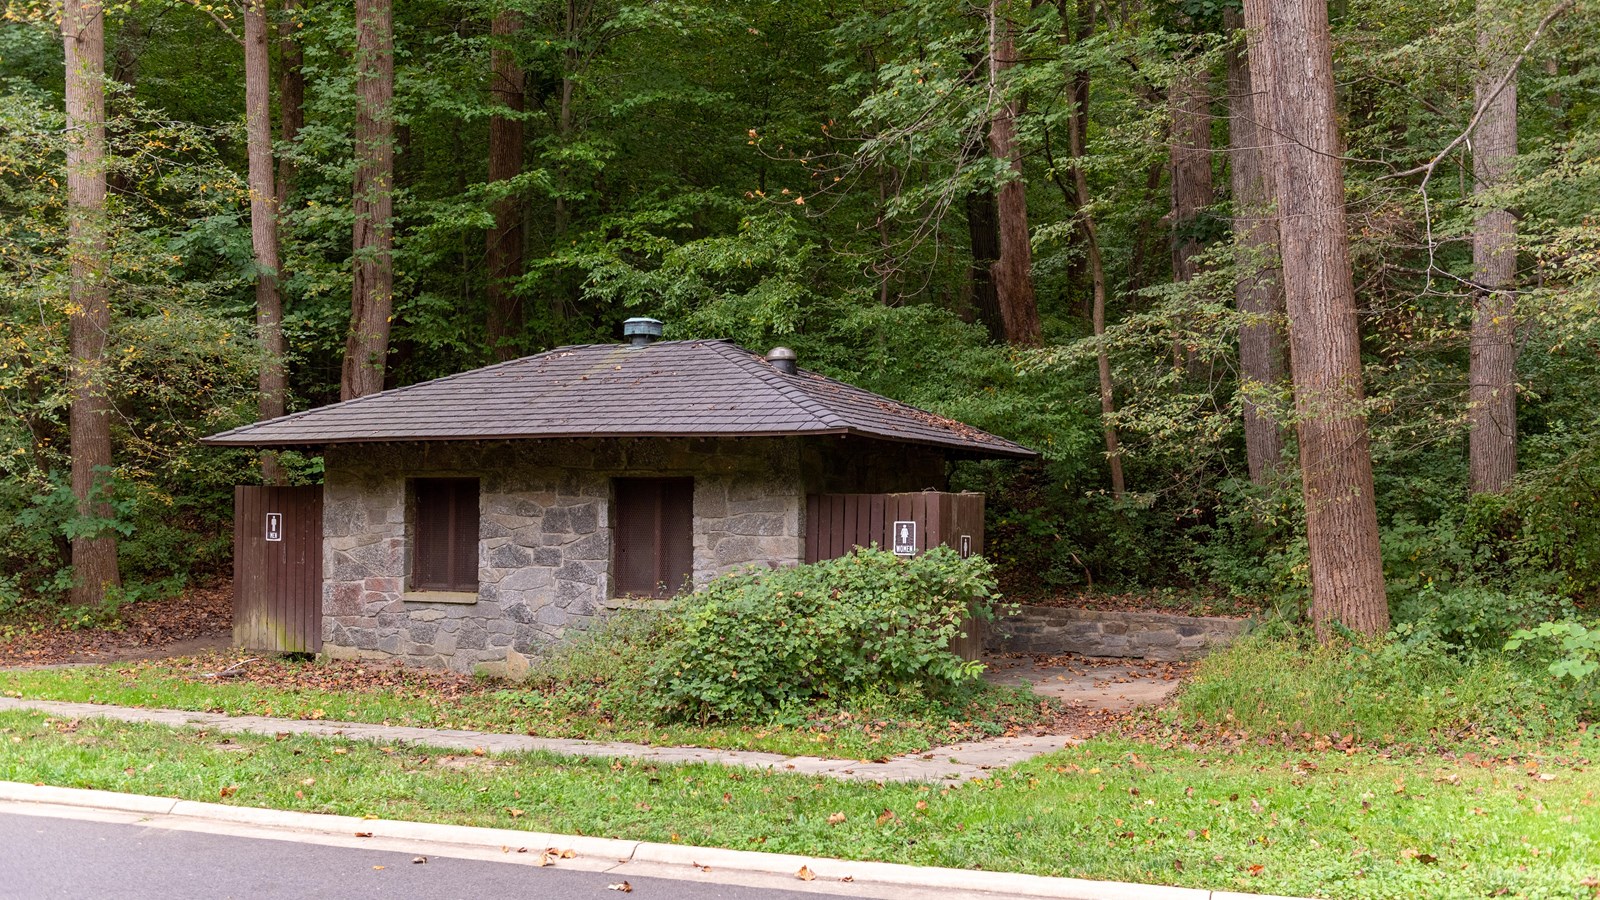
x,y
1294,66
1492,370
94,554
1013,271
1259,289
1189,98
983,233
1078,25
291,92
503,244
1097,274
264,221
372,288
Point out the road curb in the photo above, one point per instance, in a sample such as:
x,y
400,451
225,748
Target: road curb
x,y
607,849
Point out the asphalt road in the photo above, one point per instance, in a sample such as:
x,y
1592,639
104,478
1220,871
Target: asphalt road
x,y
42,857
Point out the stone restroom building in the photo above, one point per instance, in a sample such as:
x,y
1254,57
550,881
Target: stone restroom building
x,y
468,521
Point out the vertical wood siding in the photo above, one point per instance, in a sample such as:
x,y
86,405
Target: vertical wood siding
x,y
277,585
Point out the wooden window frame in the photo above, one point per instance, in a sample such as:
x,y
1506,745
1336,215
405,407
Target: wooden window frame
x,y
663,585
456,555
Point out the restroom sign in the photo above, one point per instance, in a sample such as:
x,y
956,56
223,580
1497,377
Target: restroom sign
x,y
905,539
274,526
966,546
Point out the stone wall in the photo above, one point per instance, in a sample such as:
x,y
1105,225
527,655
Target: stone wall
x,y
1145,635
545,538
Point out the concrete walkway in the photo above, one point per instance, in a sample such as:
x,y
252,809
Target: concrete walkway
x,y
1088,682
954,762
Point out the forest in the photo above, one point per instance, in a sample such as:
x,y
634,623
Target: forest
x,y
1297,300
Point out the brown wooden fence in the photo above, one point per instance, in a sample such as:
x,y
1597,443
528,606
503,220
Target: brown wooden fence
x,y
277,568
905,524
838,523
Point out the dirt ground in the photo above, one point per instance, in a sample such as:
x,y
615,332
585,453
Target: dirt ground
x,y
197,620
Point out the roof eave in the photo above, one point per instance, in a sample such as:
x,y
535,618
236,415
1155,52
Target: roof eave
x,y
230,440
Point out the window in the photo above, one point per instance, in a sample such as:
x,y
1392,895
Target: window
x,y
654,536
445,535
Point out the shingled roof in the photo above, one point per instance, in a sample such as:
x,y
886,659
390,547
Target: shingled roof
x,y
664,389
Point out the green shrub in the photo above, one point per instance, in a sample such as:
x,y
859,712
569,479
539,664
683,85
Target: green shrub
x,y
604,670
1407,688
1570,651
757,641
1475,618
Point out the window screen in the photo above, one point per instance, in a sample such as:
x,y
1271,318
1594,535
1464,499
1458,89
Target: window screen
x,y
654,536
445,545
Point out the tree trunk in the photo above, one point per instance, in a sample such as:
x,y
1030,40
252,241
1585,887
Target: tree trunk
x,y
372,289
503,244
1013,271
1190,101
1097,273
264,222
127,47
291,93
1492,413
984,234
94,556
1259,289
1324,339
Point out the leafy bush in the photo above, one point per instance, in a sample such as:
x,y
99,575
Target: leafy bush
x,y
1571,652
1408,688
757,641
1473,618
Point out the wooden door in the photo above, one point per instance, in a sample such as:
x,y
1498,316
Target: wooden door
x,y
277,568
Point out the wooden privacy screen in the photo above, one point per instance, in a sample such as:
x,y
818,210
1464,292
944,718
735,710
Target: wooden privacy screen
x,y
838,523
277,568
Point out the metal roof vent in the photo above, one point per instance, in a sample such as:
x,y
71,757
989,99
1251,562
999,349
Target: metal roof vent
x,y
782,359
641,331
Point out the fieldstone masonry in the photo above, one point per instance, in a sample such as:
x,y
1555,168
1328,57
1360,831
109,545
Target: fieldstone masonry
x,y
544,542
1145,635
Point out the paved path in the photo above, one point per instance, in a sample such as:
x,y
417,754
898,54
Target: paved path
x,y
1088,683
954,762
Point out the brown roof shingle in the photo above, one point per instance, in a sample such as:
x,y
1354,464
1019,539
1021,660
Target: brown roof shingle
x,y
669,388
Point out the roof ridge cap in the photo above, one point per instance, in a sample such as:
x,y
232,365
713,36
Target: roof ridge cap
x,y
780,383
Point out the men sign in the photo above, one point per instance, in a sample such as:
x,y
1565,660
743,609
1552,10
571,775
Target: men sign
x,y
905,539
274,526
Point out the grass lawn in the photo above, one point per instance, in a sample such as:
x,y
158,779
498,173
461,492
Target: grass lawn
x,y
354,692
1249,818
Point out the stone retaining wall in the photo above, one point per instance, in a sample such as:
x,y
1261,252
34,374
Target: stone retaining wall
x,y
1146,635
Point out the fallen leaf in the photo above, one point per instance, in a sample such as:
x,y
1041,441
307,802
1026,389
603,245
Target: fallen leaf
x,y
418,860
805,874
229,791
363,834
836,818
622,886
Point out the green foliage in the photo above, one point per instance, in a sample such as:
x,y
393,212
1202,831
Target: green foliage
x,y
1572,651
757,641
1408,688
